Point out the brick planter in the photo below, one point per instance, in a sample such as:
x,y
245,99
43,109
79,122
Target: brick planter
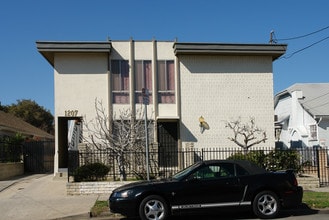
x,y
87,188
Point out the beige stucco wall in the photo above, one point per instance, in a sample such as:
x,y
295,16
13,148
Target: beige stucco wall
x,y
221,89
79,79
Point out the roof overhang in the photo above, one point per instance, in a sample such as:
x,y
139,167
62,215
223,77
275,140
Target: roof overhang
x,y
49,48
273,50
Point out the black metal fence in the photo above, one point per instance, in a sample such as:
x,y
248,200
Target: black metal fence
x,y
38,156
132,164
10,152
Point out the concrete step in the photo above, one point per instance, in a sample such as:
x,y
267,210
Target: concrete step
x,y
308,182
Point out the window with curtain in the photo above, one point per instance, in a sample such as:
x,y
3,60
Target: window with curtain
x,y
166,81
120,81
143,79
314,132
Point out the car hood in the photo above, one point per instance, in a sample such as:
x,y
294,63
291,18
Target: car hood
x,y
143,183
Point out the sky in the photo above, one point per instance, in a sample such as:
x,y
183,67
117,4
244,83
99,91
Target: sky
x,y
24,74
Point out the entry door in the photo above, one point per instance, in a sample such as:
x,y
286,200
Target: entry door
x,y
168,144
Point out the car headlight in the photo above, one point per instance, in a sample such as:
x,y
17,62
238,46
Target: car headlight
x,y
123,194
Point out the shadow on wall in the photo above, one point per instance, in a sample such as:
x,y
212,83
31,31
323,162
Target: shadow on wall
x,y
186,134
226,64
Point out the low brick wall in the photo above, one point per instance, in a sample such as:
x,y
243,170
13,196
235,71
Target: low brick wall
x,y
10,170
87,188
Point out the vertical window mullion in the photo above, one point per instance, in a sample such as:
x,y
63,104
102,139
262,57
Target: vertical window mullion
x,y
166,75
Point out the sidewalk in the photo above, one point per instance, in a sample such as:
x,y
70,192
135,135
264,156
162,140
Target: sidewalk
x,y
41,197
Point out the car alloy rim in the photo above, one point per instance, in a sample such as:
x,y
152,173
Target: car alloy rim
x,y
267,204
154,209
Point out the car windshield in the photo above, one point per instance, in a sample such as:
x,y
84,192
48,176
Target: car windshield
x,y
181,174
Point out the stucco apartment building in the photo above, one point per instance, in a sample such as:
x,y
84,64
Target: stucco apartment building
x,y
217,81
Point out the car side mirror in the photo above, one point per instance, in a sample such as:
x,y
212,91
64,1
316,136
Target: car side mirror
x,y
192,179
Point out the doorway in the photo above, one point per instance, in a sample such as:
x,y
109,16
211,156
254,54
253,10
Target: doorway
x,y
69,135
168,143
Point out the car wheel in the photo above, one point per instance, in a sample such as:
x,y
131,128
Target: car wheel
x,y
153,208
266,205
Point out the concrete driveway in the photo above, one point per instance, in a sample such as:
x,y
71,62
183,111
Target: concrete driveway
x,y
41,197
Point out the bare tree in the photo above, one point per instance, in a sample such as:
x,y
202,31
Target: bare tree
x,y
120,133
246,135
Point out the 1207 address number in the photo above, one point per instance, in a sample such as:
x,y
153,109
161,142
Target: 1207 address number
x,y
71,113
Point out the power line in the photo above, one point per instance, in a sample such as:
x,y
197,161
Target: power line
x,y
305,35
273,39
300,50
310,100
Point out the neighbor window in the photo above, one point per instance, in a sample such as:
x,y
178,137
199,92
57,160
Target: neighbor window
x,y
166,81
143,79
120,81
314,132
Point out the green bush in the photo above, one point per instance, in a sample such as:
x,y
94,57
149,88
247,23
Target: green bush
x,y
274,160
283,160
91,172
257,157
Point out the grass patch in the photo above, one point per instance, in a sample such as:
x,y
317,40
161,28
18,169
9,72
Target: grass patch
x,y
318,200
99,207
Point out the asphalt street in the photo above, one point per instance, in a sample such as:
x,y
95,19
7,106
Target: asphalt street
x,y
43,197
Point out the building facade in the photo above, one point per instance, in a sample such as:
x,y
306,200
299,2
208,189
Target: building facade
x,y
184,82
302,115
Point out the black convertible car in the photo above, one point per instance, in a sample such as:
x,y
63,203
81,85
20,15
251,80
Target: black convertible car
x,y
209,185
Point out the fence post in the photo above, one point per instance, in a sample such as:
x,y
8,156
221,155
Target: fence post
x,y
322,162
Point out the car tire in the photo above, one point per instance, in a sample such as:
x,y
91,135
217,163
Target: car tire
x,y
153,207
266,205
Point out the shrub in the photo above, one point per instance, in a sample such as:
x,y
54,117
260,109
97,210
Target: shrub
x,y
91,172
274,160
283,160
257,157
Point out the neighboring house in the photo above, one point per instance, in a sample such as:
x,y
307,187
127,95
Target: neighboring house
x,y
302,115
219,82
11,125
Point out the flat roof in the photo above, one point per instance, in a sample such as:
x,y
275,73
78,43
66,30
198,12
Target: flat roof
x,y
49,48
273,50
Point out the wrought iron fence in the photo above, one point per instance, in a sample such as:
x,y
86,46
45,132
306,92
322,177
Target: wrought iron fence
x,y
37,156
313,161
10,152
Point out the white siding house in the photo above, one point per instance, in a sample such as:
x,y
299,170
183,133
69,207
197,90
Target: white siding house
x,y
302,115
219,82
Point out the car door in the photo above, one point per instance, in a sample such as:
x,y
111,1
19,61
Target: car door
x,y
213,185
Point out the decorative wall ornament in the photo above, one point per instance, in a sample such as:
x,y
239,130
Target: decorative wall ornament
x,y
203,125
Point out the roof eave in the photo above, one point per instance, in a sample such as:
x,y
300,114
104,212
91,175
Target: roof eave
x,y
48,48
273,50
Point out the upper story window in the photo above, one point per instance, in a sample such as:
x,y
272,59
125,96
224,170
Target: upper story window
x,y
143,79
166,81
120,81
314,132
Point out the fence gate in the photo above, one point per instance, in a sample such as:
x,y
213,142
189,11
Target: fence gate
x,y
39,156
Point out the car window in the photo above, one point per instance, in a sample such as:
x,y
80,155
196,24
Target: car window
x,y
214,171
